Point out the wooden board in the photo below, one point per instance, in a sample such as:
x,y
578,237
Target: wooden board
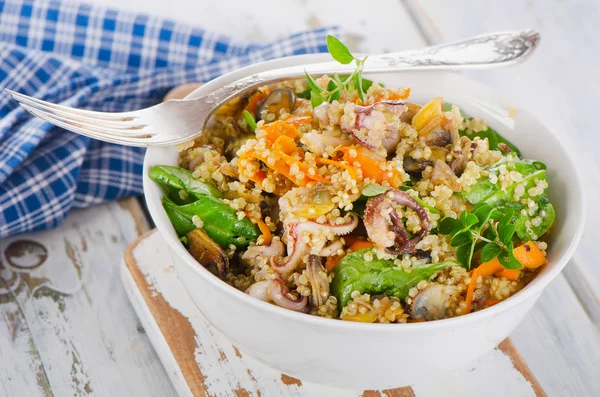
x,y
200,361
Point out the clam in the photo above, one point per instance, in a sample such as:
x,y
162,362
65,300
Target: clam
x,y
318,279
416,167
433,301
443,175
459,163
439,131
279,99
207,252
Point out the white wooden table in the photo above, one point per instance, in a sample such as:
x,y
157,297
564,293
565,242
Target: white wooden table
x,y
67,328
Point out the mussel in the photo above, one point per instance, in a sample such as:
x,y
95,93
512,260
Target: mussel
x,y
319,282
431,302
207,252
416,167
279,99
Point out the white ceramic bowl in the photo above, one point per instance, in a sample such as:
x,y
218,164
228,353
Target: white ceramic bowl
x,y
379,356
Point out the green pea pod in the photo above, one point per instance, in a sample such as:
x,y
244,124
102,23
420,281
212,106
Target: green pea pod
x,y
377,276
219,220
182,179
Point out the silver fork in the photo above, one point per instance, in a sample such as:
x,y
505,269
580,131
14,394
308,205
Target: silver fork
x,y
177,121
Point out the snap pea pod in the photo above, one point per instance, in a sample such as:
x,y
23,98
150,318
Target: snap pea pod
x,y
377,276
220,221
182,179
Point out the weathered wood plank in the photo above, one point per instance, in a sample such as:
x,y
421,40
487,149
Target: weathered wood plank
x,y
69,327
559,340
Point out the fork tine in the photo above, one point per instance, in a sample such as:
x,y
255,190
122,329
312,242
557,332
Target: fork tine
x,y
86,129
74,116
48,106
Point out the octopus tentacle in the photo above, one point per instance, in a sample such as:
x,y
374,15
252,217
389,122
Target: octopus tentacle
x,y
301,248
368,116
277,292
392,236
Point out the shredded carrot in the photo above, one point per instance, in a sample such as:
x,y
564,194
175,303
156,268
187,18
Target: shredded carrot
x,y
360,244
354,244
370,168
257,178
256,99
298,121
332,262
490,302
393,95
351,170
264,229
509,274
528,254
470,291
284,147
279,128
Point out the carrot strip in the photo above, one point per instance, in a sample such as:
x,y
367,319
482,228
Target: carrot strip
x,y
284,146
264,229
332,262
360,244
370,168
529,255
490,302
279,128
255,100
470,291
298,121
351,170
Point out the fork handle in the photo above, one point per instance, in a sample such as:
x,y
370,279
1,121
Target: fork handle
x,y
484,51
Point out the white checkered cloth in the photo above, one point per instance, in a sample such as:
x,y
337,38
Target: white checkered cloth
x,y
95,58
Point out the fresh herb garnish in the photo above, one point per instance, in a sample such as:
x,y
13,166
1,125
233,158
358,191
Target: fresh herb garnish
x,y
373,189
485,228
337,84
250,120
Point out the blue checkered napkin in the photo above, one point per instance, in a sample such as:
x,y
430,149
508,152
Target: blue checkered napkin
x,y
102,59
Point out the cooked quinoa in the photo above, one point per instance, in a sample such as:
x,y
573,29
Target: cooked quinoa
x,y
348,204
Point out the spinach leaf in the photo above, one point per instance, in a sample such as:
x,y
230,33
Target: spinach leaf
x,y
182,179
377,276
484,191
220,221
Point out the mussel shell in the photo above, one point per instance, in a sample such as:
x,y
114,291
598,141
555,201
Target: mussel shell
x,y
207,252
279,98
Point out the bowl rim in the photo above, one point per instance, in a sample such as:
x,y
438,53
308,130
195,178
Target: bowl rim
x,y
529,291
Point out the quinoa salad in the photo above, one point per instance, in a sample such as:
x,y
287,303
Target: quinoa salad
x,y
338,197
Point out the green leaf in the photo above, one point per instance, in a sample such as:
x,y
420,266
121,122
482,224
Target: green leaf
x,y
359,86
312,83
471,220
507,258
332,86
338,50
250,120
182,179
316,99
462,238
304,94
366,84
490,251
373,189
449,226
506,232
378,276
464,255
